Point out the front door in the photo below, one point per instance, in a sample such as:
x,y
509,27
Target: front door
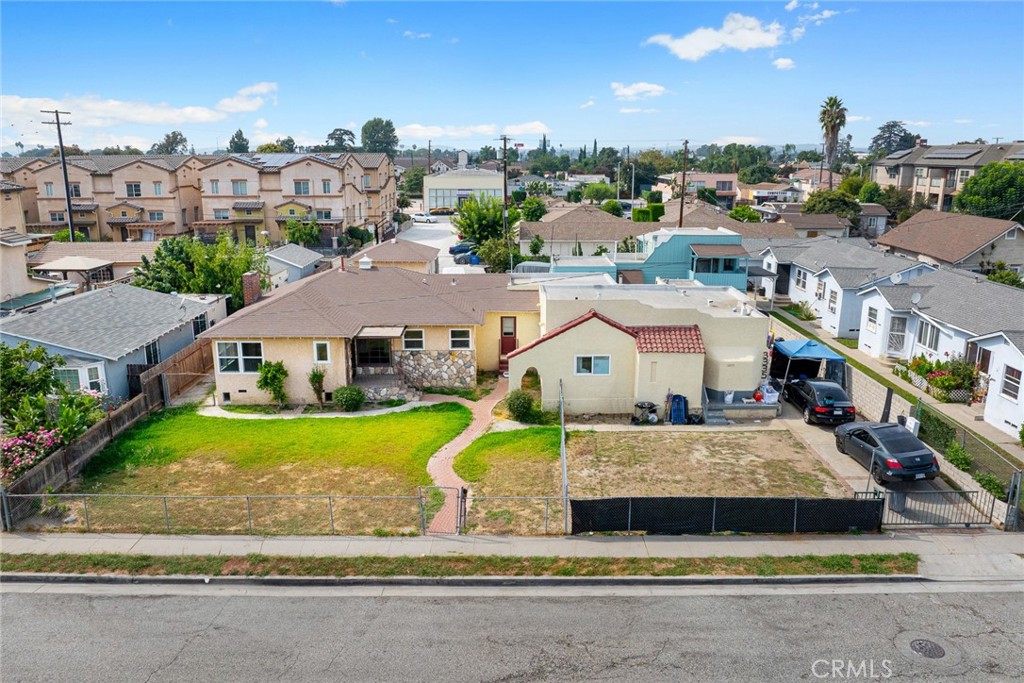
x,y
250,234
897,335
509,342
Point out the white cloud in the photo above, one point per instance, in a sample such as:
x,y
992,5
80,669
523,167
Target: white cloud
x,y
963,121
857,117
783,63
737,140
920,124
249,98
529,128
637,91
797,33
806,20
391,21
417,131
792,5
588,104
412,35
738,32
637,110
260,124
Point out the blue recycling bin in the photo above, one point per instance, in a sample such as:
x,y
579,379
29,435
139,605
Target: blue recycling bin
x,y
678,409
474,260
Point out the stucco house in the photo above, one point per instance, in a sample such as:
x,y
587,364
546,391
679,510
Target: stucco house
x,y
586,226
106,334
384,329
958,240
18,289
1000,356
614,345
827,275
401,253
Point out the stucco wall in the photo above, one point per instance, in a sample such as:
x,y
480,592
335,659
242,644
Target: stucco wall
x,y
14,279
658,374
297,355
1002,412
487,337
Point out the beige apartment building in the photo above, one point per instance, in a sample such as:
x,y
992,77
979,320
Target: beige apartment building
x,y
255,195
937,173
21,171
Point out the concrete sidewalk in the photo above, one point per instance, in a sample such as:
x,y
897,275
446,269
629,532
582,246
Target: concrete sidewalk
x,y
945,555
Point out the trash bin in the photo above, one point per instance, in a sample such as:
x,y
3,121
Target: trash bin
x,y
474,260
678,409
897,501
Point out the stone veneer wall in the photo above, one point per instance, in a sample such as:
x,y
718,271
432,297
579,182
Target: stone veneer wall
x,y
453,369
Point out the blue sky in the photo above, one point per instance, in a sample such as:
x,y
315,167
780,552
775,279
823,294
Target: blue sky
x,y
461,74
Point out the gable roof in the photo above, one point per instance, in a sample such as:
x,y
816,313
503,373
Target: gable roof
x,y
109,323
339,303
561,329
945,236
851,262
583,223
702,215
115,252
965,300
400,251
815,221
1013,337
295,255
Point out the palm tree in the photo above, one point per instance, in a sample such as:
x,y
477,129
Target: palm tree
x,y
832,119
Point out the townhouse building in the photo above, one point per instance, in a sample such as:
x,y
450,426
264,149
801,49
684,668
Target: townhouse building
x,y
937,173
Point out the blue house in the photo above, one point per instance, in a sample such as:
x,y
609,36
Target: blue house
x,y
711,256
297,261
100,333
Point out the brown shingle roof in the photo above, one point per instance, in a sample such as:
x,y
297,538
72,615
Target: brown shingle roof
x,y
700,215
401,251
948,237
339,303
669,339
815,221
118,252
712,250
583,223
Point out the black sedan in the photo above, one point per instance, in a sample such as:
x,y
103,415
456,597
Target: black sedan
x,y
889,452
822,400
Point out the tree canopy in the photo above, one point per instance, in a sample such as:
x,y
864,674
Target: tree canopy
x,y
186,265
341,140
412,180
840,203
174,142
612,206
891,137
25,371
533,209
480,219
745,214
995,191
1003,274
870,193
832,118
488,153
761,173
238,143
270,148
378,135
302,231
598,192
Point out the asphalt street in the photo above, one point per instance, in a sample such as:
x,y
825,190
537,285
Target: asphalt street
x,y
74,633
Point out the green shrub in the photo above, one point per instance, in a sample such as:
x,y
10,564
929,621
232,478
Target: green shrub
x,y
520,405
934,431
991,483
805,312
657,211
1021,435
959,457
642,216
349,398
652,196
271,380
518,196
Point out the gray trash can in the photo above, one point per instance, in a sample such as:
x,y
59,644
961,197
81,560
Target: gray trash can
x,y
897,501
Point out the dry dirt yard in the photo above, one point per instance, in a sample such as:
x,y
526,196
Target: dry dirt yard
x,y
652,463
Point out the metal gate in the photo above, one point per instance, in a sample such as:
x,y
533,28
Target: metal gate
x,y
934,508
442,510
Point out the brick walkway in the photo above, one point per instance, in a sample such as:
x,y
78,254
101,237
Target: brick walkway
x,y
439,467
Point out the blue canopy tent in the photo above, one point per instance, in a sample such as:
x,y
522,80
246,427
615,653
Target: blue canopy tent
x,y
807,355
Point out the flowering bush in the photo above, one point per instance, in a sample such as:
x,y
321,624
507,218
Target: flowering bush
x,y
20,453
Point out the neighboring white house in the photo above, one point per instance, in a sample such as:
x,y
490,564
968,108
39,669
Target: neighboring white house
x,y
1000,356
828,273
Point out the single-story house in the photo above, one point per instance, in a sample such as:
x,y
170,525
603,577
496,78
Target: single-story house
x,y
1000,357
611,346
106,334
401,253
828,273
122,257
296,261
383,329
874,220
958,240
815,224
587,227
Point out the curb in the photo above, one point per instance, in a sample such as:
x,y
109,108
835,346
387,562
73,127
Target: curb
x,y
461,581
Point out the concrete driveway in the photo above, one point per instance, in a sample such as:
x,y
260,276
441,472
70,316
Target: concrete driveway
x,y
440,235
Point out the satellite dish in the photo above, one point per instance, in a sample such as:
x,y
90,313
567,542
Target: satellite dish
x,y
895,278
916,298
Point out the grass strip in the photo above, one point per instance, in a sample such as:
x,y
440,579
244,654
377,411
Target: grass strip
x,y
465,565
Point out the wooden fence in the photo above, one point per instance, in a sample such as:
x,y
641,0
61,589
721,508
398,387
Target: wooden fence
x,y
160,384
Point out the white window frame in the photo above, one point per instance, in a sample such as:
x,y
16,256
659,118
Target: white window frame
x,y
456,344
84,380
156,216
872,323
366,180
964,175
76,189
410,344
920,172
927,332
301,185
214,187
158,188
237,185
133,190
48,189
819,291
238,357
323,214
221,214
578,358
317,345
1011,234
152,350
1010,383
833,301
325,186
57,217
801,279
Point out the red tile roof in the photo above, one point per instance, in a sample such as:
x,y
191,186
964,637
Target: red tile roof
x,y
669,339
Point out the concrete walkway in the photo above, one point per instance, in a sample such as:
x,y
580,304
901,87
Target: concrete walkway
x,y
948,555
439,467
961,413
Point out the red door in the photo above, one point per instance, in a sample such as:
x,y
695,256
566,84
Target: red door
x,y
509,342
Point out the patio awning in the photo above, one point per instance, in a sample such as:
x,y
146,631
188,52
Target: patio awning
x,y
758,271
807,349
381,332
718,250
74,264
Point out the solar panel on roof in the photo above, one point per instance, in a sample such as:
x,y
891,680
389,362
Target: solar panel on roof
x,y
1019,154
951,154
900,154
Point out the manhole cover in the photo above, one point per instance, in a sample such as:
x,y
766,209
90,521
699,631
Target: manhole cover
x,y
927,648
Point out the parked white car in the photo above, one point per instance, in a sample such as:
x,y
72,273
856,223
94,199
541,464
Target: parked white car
x,y
423,218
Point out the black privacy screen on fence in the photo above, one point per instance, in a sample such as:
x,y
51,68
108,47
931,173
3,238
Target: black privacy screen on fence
x,y
705,515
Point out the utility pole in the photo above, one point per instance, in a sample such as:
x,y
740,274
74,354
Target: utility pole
x,y
428,157
632,191
504,200
682,197
63,165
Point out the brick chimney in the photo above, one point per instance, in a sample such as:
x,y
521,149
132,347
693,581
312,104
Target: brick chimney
x,y
250,287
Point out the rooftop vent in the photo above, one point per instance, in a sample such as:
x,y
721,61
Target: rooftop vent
x,y
366,263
